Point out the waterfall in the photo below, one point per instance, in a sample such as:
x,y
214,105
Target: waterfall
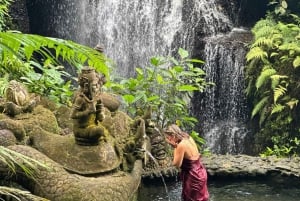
x,y
223,109
131,32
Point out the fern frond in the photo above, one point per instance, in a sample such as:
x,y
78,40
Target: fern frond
x,y
259,106
278,92
275,80
263,28
292,103
20,46
264,76
274,54
290,46
256,53
277,108
263,116
263,41
277,39
296,62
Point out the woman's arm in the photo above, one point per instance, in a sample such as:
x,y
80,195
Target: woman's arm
x,y
178,155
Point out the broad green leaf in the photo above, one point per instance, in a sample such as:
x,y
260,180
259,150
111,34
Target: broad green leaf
x,y
139,71
187,88
160,79
284,4
196,61
128,98
183,53
154,61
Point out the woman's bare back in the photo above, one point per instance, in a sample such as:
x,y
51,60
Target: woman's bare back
x,y
191,151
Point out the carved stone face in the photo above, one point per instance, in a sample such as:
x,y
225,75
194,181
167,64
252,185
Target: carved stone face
x,y
90,81
17,93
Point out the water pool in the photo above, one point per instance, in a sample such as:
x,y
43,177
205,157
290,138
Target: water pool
x,y
242,190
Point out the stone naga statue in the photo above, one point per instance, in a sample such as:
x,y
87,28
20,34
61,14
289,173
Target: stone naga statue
x,y
88,109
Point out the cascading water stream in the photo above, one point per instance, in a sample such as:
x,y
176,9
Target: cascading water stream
x,y
224,111
131,32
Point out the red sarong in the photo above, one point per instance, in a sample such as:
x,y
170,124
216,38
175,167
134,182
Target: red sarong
x,y
194,181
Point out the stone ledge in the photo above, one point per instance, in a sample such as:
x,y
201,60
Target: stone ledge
x,y
251,166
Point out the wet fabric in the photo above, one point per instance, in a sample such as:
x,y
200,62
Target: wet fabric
x,y
194,181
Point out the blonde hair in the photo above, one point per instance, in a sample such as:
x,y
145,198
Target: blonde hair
x,y
173,128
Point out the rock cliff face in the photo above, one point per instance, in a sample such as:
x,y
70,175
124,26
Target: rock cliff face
x,y
19,14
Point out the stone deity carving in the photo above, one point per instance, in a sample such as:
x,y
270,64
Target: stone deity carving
x,y
88,108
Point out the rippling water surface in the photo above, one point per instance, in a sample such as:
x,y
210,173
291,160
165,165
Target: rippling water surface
x,y
224,191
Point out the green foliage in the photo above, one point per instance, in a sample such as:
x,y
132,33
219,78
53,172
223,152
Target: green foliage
x,y
21,163
38,62
281,7
264,76
282,148
199,141
4,8
18,195
166,87
273,78
18,162
50,82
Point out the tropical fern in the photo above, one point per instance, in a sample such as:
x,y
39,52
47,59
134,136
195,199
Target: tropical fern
x,y
258,107
20,47
264,76
292,103
296,62
263,41
4,8
263,115
278,92
276,80
256,53
263,28
277,108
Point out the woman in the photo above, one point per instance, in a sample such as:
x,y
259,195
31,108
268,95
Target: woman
x,y
187,158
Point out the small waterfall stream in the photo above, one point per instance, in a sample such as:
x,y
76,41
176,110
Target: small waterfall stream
x,y
223,108
131,32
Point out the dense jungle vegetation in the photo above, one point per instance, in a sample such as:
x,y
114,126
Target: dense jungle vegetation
x,y
38,62
272,75
273,79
